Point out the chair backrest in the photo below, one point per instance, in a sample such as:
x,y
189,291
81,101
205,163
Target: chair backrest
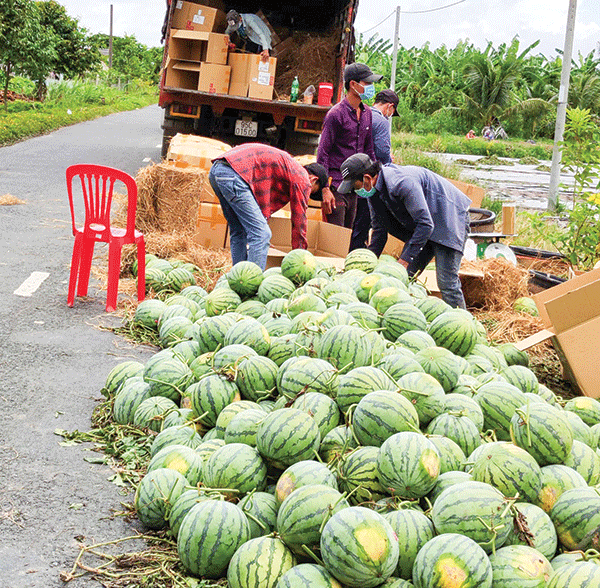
x,y
97,185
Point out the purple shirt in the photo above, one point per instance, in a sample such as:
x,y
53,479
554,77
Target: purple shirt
x,y
342,136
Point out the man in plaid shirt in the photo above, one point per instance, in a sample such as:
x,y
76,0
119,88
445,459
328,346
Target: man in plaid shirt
x,y
252,181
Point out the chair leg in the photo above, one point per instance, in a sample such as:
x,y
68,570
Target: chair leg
x,y
141,277
75,262
114,268
85,265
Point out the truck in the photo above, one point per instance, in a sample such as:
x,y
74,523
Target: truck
x,y
312,40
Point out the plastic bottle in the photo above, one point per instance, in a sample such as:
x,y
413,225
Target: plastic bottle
x,y
295,90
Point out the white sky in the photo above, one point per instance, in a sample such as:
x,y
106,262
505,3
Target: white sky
x,y
478,21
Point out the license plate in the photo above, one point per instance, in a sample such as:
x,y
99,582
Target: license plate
x,y
246,128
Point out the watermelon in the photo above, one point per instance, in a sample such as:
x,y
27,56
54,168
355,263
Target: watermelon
x,y
131,394
148,312
256,378
385,298
261,510
229,357
446,480
286,436
451,559
308,576
180,458
441,364
487,520
499,401
464,405
151,412
555,480
243,427
425,393
525,304
365,315
358,475
359,547
227,414
121,372
452,457
220,301
399,364
345,348
567,557
413,530
168,377
299,266
321,408
361,259
432,307
390,267
155,279
210,332
402,317
521,377
516,566
186,501
173,330
274,287
415,340
156,494
380,414
581,432
514,356
306,302
460,429
187,351
209,535
585,407
178,435
455,331
307,375
358,382
179,278
244,278
533,527
586,461
576,516
408,464
249,332
543,431
196,293
337,442
210,396
301,474
585,574
282,348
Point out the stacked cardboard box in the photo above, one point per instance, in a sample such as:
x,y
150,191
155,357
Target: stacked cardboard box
x,y
197,54
251,77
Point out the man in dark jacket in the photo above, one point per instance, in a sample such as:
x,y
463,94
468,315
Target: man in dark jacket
x,y
418,207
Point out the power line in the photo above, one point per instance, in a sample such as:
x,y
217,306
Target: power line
x,y
380,23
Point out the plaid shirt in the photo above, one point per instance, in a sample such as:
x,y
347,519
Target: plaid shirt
x,y
275,179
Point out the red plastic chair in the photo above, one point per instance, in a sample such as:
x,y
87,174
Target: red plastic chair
x,y
97,184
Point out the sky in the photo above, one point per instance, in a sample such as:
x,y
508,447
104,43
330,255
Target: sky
x,y
449,21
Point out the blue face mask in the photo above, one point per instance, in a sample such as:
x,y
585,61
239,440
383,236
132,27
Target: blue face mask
x,y
365,193
368,92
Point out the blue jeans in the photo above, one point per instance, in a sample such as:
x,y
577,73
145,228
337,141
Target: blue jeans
x,y
249,233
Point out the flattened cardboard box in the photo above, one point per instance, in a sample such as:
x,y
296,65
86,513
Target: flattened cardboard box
x,y
197,17
211,226
571,315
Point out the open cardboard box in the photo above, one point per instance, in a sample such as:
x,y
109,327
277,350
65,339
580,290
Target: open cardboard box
x,y
571,315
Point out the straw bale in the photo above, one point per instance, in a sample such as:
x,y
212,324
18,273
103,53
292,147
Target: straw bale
x,y
10,200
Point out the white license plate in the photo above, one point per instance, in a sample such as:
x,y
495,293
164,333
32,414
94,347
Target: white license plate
x,y
246,128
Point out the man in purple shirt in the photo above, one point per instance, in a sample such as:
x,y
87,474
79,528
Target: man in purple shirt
x,y
346,131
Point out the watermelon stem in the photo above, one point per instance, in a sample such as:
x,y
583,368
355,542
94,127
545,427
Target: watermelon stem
x,y
310,553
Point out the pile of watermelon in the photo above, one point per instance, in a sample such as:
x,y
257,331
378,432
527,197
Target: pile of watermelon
x,y
164,276
320,428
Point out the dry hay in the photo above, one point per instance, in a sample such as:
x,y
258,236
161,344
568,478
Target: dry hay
x,y
311,57
501,285
10,200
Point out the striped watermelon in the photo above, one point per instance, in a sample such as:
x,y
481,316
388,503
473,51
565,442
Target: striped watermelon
x,y
514,356
487,520
299,266
415,340
358,382
228,358
581,432
533,527
585,574
576,516
463,405
235,467
168,377
441,364
210,396
308,576
510,469
155,279
243,427
358,475
460,429
337,287
340,299
425,393
389,266
308,375
396,365
210,332
364,314
303,513
446,480
306,302
479,366
151,412
408,465
178,417
380,414
277,306
321,408
413,530
261,510
121,372
567,557
173,330
244,278
273,287
208,447
220,301
452,457
521,377
249,332
363,288
385,298
586,461
209,535
543,431
276,326
587,408
402,317
337,442
499,401
148,312
455,331
229,412
180,435
131,394
182,459
520,566
156,494
555,480
451,559
333,317
179,278
492,354
259,563
282,348
368,553
187,351
186,501
362,259
201,366
256,378
432,307
196,293
307,342
345,348
286,436
303,473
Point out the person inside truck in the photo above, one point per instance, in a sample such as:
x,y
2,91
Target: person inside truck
x,y
252,181
383,110
346,130
418,207
253,33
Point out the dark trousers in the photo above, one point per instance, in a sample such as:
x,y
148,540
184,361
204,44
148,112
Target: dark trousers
x,y
345,210
362,225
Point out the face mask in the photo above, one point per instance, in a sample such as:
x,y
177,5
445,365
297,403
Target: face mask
x,y
368,92
365,193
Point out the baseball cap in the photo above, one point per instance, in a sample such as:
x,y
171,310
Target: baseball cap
x,y
352,169
359,72
388,97
320,172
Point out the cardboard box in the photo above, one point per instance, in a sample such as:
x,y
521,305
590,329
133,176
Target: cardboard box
x,y
474,193
251,77
211,226
571,315
182,74
311,213
325,241
214,78
197,17
198,46
195,151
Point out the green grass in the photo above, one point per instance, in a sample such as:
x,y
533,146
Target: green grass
x,y
69,103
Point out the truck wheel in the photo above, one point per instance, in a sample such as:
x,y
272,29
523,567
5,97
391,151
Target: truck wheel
x,y
166,141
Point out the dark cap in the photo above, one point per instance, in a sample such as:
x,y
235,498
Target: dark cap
x,y
353,169
359,72
388,97
233,15
316,169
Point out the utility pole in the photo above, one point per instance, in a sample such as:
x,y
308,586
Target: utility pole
x,y
110,39
395,52
561,111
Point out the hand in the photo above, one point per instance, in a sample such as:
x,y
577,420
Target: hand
x,y
232,47
328,204
403,263
264,55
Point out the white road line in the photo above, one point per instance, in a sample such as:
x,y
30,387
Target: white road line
x,y
158,147
146,160
31,284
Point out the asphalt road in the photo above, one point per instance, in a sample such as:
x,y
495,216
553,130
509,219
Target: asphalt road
x,y
54,359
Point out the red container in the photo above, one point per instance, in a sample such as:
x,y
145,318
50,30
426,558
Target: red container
x,y
325,94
